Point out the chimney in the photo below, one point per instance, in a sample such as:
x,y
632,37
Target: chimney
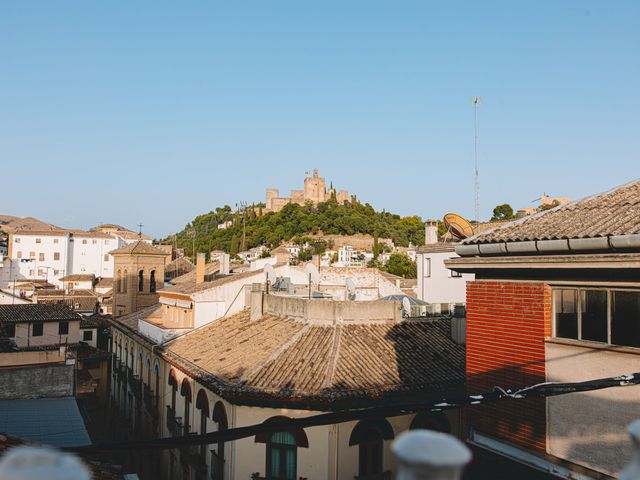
x,y
200,268
224,261
430,232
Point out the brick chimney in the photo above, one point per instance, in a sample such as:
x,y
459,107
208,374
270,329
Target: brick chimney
x,y
430,232
200,267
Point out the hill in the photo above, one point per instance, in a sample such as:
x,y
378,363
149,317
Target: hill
x,y
249,228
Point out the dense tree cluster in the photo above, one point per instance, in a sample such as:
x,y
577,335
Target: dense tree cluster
x,y
246,228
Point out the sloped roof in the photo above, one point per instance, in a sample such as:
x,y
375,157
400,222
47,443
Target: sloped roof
x,y
36,312
615,212
138,248
78,277
275,360
190,287
210,269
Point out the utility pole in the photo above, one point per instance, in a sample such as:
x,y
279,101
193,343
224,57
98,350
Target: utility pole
x,y
476,101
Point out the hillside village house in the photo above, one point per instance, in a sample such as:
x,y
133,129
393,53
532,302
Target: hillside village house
x,y
556,297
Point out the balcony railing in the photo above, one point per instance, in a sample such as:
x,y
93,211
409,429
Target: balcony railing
x,y
174,424
192,455
135,383
217,466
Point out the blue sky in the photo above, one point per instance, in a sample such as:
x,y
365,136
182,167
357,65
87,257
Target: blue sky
x,y
155,112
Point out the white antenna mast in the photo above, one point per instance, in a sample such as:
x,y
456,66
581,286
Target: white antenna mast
x,y
476,101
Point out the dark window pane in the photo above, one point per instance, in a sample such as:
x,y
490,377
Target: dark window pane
x,y
10,330
594,315
37,329
625,318
566,310
63,328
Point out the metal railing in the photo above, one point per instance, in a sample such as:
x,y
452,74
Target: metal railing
x,y
217,466
174,424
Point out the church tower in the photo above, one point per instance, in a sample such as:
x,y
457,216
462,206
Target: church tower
x,y
138,273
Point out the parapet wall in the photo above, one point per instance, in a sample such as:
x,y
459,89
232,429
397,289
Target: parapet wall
x,y
328,311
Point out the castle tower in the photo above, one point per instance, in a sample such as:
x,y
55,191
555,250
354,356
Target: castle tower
x,y
138,274
315,188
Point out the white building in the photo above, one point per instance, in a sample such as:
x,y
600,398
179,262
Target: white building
x,y
436,283
51,254
348,257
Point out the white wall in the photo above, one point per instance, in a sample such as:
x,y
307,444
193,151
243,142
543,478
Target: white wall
x,y
91,256
46,246
440,286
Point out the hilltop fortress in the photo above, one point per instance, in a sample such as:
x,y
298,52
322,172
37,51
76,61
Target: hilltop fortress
x,y
315,191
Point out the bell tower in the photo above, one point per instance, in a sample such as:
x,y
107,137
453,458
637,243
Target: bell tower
x,y
138,274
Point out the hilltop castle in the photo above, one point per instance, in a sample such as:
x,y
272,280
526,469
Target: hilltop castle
x,y
314,191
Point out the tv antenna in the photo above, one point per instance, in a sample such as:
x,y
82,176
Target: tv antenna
x,y
140,225
314,275
476,101
269,275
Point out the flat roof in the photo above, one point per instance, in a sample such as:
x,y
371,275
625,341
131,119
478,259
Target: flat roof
x,y
48,421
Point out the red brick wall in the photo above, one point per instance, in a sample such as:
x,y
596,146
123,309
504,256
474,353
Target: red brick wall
x,y
507,323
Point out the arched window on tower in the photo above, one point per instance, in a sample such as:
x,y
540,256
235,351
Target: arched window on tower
x,y
152,281
141,281
119,282
124,281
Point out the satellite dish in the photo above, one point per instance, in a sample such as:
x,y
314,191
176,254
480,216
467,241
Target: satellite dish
x,y
269,272
457,225
311,270
351,289
406,307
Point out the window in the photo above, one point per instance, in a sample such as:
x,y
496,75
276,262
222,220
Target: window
x,y
119,282
41,257
369,435
38,240
125,282
370,453
566,313
106,257
427,267
87,335
625,318
152,281
455,274
56,255
599,315
17,240
37,329
56,272
282,456
32,254
55,240
141,281
10,330
63,328
94,242
19,254
84,241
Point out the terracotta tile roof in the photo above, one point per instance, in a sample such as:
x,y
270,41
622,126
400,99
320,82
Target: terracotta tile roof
x,y
616,212
78,277
138,248
210,269
105,282
192,287
281,361
178,267
36,313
